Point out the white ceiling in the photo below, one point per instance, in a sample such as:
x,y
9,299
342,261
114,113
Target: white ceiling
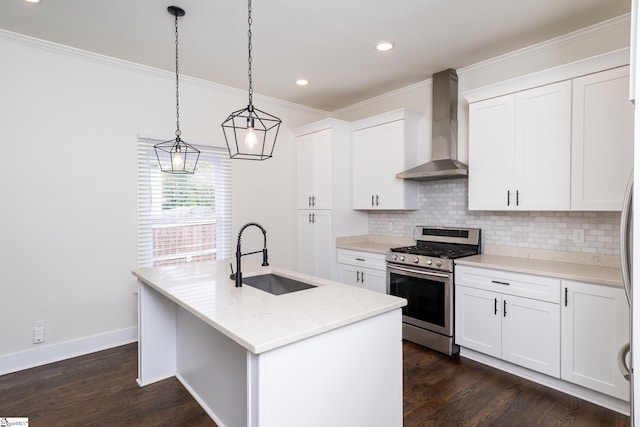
x,y
329,42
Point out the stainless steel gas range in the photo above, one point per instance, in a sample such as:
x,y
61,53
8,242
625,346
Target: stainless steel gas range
x,y
423,274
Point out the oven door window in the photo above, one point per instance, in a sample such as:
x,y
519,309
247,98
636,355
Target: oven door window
x,y
428,303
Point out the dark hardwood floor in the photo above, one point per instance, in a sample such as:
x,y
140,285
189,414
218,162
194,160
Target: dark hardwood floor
x,y
442,391
99,389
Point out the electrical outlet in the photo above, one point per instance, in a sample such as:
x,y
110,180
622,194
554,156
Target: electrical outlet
x,y
579,236
38,331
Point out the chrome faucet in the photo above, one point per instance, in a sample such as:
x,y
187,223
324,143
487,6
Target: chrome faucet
x,y
237,276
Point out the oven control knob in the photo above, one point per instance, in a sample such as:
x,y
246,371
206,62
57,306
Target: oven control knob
x,y
438,263
429,262
402,258
416,260
394,257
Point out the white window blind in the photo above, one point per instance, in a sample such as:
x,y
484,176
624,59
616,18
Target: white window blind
x,y
183,218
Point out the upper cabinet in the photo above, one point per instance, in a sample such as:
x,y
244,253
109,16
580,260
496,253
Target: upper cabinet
x,y
383,146
563,146
519,150
602,140
315,168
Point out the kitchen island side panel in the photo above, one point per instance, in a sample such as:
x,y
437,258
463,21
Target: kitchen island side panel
x,y
348,377
156,336
213,368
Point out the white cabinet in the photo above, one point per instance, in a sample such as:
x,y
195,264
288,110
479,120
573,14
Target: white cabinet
x,y
363,269
315,251
511,316
519,150
323,152
602,140
315,166
595,325
384,146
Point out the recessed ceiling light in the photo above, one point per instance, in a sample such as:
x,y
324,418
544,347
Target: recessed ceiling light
x,y
302,82
384,46
32,1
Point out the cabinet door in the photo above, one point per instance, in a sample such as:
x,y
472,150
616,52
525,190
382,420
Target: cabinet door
x,y
378,155
531,334
366,153
595,325
602,140
491,153
350,275
315,245
478,320
315,170
389,161
543,148
374,280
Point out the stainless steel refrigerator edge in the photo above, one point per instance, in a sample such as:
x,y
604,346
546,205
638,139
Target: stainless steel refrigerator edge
x,y
626,259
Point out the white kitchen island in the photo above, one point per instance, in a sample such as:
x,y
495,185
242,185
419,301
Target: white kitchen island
x,y
325,356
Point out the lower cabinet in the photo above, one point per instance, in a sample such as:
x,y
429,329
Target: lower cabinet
x,y
363,269
595,326
566,329
315,243
519,330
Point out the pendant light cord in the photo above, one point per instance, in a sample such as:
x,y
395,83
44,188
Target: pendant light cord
x,y
177,87
250,59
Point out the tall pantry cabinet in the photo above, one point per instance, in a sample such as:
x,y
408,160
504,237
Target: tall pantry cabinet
x,y
324,201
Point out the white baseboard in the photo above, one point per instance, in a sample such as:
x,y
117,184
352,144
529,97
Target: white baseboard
x,y
41,355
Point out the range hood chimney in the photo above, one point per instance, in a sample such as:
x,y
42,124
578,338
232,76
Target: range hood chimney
x,y
444,162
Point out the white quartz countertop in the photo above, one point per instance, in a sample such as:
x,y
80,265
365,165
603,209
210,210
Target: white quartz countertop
x,y
371,243
258,320
562,270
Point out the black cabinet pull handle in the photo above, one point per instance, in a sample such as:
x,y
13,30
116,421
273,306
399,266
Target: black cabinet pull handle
x,y
508,198
505,308
357,276
566,296
362,276
359,259
309,200
495,306
497,282
313,200
377,200
517,197
373,200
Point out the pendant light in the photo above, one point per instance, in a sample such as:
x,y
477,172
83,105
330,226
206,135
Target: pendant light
x,y
250,133
176,156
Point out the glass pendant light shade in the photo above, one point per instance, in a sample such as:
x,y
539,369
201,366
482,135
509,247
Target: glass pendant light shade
x,y
176,156
250,133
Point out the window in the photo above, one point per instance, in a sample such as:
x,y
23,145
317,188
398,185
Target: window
x,y
183,218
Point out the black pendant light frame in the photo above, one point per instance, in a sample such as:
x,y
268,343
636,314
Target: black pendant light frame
x,y
265,125
177,156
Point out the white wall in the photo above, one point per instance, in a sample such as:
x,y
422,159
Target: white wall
x,y
69,122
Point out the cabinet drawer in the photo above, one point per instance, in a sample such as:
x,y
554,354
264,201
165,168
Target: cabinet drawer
x,y
505,282
362,259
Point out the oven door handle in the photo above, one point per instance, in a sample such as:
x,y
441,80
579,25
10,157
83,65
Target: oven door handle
x,y
424,272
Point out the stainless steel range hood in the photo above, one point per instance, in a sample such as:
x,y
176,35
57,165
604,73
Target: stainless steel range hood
x,y
444,133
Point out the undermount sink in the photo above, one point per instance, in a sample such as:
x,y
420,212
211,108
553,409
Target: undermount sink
x,y
276,285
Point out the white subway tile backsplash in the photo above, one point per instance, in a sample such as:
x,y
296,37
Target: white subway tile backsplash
x,y
444,203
